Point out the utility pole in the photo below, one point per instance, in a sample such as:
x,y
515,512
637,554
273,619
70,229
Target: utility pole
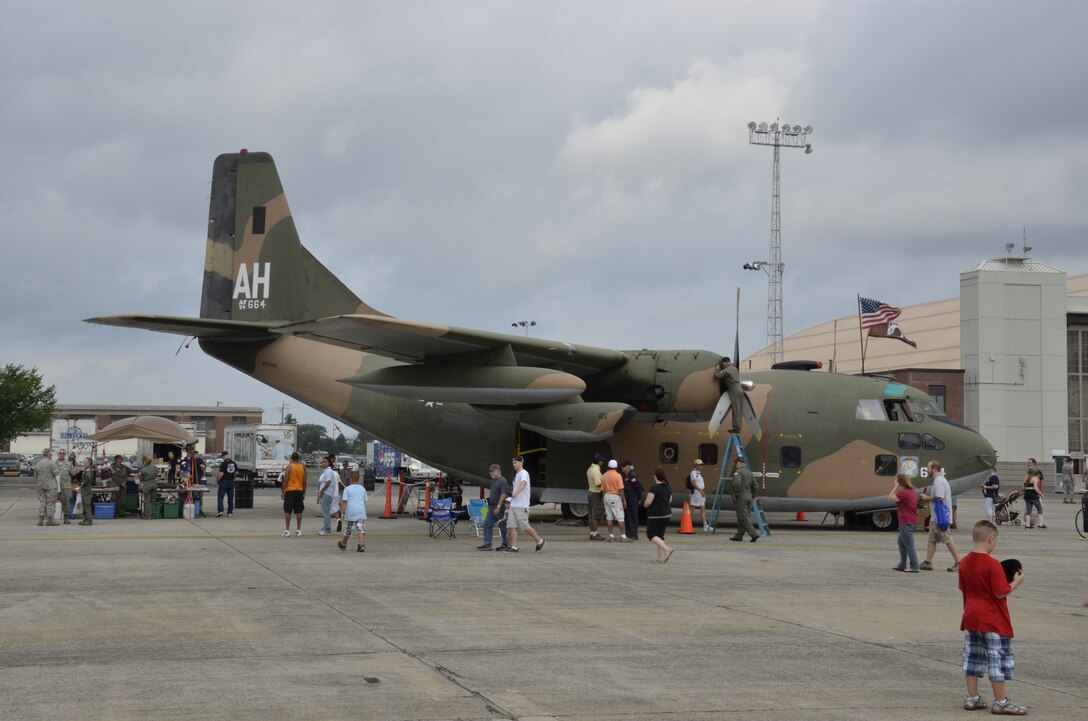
x,y
786,136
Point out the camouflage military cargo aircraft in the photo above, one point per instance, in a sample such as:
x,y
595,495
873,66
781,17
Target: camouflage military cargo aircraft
x,y
462,399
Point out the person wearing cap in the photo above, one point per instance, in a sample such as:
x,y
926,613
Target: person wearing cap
x,y
729,382
46,474
149,487
121,473
293,494
745,492
697,486
64,481
596,501
614,500
228,470
519,507
632,492
496,509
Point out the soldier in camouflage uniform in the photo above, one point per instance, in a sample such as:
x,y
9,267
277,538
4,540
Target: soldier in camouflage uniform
x,y
744,491
45,473
64,472
86,488
149,486
729,382
120,478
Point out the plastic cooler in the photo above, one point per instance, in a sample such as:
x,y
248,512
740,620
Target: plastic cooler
x,y
105,510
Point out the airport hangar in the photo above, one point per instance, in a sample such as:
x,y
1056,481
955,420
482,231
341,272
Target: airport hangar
x,y
1009,357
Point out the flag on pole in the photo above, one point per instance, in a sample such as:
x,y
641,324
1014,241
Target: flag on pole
x,y
874,313
879,318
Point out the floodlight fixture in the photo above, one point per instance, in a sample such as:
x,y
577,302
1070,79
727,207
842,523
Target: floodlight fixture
x,y
752,125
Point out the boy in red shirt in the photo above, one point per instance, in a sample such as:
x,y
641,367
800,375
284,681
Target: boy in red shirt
x,y
987,641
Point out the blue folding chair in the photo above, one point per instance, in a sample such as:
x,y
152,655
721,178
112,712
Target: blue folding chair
x,y
477,514
441,520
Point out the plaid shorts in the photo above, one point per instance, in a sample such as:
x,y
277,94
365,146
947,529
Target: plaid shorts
x,y
985,651
351,527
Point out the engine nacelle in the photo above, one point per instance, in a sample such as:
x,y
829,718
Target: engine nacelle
x,y
578,422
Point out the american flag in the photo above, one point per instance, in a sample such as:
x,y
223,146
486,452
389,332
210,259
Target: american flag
x,y
874,313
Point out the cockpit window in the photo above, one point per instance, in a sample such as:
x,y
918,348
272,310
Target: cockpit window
x,y
897,411
927,407
870,409
911,441
932,443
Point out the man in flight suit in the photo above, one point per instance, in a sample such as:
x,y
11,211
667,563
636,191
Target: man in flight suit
x,y
120,479
744,491
729,382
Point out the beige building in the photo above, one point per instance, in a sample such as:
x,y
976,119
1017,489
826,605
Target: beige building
x,y
1018,333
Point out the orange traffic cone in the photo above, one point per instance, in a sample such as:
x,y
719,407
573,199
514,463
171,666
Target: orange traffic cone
x,y
801,516
685,520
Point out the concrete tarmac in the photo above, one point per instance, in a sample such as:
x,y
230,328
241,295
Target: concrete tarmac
x,y
225,619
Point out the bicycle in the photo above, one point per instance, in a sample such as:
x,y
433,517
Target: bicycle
x,y
1078,521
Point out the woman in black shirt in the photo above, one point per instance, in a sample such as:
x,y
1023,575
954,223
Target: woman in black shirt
x,y
658,505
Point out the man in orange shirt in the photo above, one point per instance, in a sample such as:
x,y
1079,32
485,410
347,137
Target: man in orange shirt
x,y
293,494
614,501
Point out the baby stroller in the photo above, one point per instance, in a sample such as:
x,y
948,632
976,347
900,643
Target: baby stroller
x,y
1002,511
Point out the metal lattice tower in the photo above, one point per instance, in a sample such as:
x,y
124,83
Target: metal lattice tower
x,y
777,137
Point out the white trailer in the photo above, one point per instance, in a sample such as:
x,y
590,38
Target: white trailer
x,y
260,450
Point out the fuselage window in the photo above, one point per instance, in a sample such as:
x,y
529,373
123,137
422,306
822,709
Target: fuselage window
x,y
668,454
910,441
791,456
708,453
886,465
869,410
932,443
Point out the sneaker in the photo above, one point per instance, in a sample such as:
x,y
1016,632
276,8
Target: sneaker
x,y
484,547
298,532
219,515
624,539
540,545
286,534
974,703
954,568
925,566
503,548
753,540
361,548
512,549
230,515
322,532
343,546
611,538
1008,708
899,568
596,538
913,570
1042,525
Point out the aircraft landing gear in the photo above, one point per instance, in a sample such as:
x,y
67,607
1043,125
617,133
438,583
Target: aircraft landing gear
x,y
575,510
882,521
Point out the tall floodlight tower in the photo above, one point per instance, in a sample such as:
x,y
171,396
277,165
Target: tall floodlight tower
x,y
786,136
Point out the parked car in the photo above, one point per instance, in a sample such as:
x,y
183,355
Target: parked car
x,y
10,465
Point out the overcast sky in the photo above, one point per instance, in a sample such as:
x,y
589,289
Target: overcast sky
x,y
582,164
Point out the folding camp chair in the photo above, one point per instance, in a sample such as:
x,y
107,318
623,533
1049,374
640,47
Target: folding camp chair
x,y
441,519
477,514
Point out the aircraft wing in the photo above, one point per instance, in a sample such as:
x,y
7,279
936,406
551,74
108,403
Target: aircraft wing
x,y
424,343
196,327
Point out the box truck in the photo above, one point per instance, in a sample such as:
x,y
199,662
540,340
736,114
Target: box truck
x,y
260,450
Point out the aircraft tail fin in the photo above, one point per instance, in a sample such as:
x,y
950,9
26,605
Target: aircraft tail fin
x,y
255,267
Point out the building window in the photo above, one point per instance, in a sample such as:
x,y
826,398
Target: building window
x,y
708,453
204,423
237,420
939,393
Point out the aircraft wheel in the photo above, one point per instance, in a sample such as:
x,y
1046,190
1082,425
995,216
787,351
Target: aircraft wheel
x,y
883,521
575,510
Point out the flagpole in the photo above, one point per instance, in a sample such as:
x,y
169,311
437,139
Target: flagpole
x,y
861,337
834,346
